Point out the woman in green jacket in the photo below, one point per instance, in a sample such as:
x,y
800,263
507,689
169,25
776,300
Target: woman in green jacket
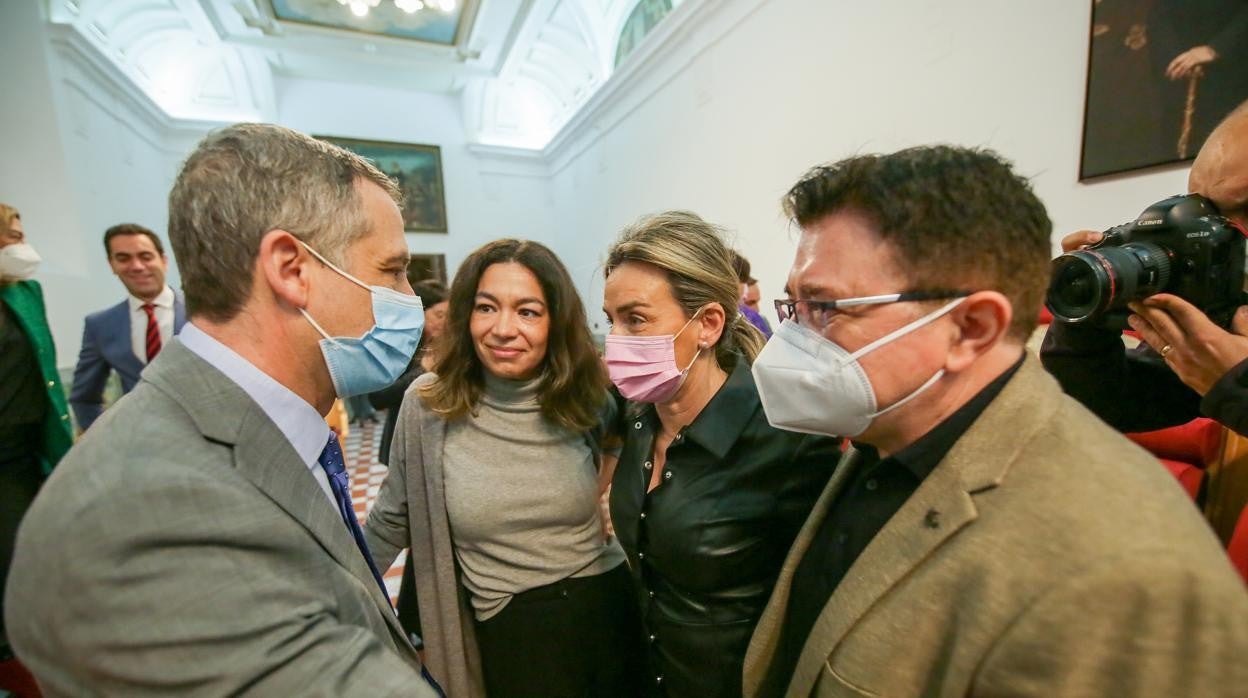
x,y
34,421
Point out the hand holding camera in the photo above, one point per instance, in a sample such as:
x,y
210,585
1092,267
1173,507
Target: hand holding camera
x,y
1081,239
1175,275
1198,351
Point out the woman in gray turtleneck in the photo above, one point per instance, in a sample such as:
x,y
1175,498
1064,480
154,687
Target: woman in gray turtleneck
x,y
494,485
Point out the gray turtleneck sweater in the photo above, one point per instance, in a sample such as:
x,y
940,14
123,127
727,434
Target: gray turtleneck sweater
x,y
522,499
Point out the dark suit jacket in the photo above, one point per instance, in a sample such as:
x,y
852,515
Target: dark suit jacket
x,y
106,346
390,399
1045,555
183,548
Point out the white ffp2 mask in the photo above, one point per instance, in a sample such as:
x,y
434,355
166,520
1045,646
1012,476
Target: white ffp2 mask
x,y
18,261
810,384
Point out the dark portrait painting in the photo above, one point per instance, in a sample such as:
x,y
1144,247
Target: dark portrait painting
x,y
425,267
1161,75
418,171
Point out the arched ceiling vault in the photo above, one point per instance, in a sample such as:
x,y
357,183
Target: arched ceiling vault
x,y
522,67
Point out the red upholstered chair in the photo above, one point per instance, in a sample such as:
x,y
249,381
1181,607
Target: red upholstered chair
x,y
15,679
1189,476
1238,547
1185,450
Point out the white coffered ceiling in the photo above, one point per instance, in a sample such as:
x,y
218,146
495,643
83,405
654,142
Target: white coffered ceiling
x,y
521,67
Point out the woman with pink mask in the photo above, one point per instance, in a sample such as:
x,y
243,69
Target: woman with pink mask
x,y
707,496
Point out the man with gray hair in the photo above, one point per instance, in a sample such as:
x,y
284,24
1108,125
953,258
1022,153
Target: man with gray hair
x,y
200,539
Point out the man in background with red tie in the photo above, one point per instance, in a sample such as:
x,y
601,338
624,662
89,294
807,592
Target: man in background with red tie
x,y
125,337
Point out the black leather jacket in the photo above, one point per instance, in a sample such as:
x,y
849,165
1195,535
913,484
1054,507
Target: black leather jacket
x,y
706,545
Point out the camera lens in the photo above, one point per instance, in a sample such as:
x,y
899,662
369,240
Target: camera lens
x,y
1089,283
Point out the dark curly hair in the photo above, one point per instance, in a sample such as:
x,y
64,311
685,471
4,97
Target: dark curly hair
x,y
956,218
573,384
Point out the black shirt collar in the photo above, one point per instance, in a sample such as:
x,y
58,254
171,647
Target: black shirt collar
x,y
922,456
722,420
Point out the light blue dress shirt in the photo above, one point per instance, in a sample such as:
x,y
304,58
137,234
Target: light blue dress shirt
x,y
299,421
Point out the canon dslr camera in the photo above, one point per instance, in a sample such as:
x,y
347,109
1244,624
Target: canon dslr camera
x,y
1181,245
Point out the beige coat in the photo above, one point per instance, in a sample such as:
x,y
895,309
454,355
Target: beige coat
x,y
410,512
1044,556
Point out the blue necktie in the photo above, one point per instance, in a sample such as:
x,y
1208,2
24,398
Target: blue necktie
x,y
335,467
332,461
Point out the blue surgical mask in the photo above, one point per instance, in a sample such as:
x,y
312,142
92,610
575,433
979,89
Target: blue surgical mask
x,y
377,359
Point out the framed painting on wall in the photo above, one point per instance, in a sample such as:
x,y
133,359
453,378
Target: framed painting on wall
x,y
1161,75
418,171
424,267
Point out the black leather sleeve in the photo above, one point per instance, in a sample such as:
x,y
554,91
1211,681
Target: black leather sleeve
x,y
1227,401
1130,390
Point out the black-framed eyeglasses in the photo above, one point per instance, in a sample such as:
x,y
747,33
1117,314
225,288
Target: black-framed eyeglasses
x,y
817,314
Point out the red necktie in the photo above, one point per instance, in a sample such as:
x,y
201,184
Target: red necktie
x,y
153,332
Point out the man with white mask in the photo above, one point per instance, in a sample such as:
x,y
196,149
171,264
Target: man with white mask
x,y
200,538
985,535
34,422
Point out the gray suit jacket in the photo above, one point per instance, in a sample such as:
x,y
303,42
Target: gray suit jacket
x,y
183,548
1046,555
106,347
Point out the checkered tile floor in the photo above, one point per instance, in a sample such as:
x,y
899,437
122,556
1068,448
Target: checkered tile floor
x,y
361,450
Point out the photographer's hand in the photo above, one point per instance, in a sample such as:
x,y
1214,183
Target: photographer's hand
x,y
1081,239
1195,348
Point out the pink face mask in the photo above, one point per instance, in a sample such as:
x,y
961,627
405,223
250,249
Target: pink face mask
x,y
644,368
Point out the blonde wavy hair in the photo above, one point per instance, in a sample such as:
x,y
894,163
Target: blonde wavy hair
x,y
7,214
699,270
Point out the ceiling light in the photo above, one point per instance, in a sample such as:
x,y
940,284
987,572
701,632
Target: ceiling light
x,y
360,8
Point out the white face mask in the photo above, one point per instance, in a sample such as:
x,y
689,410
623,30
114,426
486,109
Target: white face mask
x,y
18,261
810,384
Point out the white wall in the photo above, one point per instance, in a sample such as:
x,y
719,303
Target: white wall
x,y
80,156
485,199
792,83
